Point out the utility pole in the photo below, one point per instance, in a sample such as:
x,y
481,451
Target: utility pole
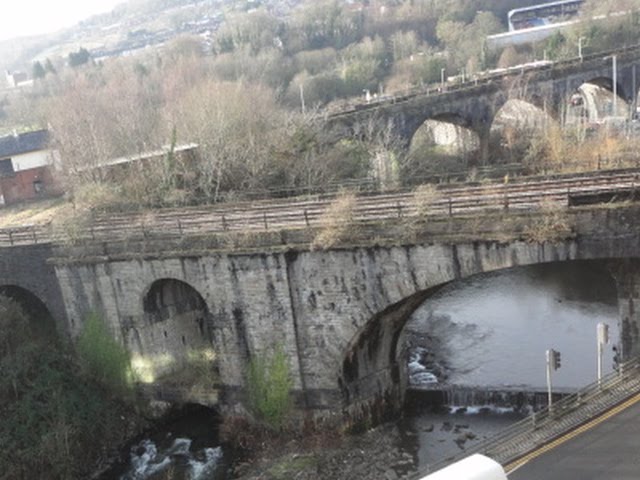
x,y
614,60
302,97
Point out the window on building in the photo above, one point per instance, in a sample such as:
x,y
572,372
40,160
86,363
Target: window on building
x,y
38,186
6,168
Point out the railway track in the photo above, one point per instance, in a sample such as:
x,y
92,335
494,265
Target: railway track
x,y
302,212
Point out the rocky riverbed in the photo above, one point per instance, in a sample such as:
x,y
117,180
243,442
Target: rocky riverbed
x,y
375,454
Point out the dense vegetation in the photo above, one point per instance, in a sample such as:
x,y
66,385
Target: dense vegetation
x,y
60,413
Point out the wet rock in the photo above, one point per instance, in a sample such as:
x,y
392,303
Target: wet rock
x,y
391,475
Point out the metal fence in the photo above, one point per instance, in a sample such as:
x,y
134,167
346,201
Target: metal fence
x,y
449,200
565,415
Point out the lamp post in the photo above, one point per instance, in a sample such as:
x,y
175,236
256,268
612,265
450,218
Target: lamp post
x,y
614,66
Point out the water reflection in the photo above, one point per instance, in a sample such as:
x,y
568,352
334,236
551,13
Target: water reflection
x,y
493,329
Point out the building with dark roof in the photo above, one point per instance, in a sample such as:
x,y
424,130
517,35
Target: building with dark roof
x,y
26,173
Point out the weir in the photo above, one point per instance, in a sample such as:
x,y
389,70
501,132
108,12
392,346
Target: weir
x,y
464,399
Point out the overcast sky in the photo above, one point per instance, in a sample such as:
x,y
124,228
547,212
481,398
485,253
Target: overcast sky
x,y
28,17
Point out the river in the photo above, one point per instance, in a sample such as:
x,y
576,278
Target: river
x,y
489,330
492,330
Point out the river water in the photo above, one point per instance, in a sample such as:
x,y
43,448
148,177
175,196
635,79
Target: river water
x,y
492,330
489,330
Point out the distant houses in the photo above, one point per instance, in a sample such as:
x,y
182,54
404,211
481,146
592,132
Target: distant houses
x,y
26,167
17,79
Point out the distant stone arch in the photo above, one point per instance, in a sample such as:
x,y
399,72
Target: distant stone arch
x,y
515,126
443,143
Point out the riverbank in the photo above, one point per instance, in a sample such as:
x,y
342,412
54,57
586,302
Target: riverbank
x,y
375,454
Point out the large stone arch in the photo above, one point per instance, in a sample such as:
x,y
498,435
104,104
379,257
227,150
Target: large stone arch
x,y
372,376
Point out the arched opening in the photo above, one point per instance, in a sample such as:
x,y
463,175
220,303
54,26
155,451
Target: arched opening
x,y
489,330
174,340
41,322
444,143
594,103
515,127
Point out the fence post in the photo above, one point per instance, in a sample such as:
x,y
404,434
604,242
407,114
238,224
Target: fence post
x,y
33,233
306,217
266,225
450,207
399,209
180,227
11,237
93,233
224,223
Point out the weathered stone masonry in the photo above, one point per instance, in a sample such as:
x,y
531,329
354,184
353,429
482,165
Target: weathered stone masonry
x,y
338,314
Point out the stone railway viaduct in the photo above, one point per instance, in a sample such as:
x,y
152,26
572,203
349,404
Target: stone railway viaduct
x,y
338,313
474,104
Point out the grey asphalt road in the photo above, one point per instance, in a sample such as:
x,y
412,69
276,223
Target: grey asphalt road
x,y
608,451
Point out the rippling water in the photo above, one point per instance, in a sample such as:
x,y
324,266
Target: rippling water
x,y
494,329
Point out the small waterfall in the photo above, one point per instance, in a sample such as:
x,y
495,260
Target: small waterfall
x,y
148,461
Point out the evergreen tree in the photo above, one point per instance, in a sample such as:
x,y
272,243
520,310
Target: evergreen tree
x,y
38,70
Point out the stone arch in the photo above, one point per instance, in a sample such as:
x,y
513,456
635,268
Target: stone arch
x,y
373,375
36,309
175,329
442,143
515,125
592,101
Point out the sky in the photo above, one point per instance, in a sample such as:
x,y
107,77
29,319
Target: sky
x,y
29,17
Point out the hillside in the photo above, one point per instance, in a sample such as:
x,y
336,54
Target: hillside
x,y
131,26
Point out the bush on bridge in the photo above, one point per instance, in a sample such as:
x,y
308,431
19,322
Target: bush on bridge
x,y
269,386
103,357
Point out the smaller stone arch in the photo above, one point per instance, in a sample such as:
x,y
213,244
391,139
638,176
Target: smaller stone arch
x,y
174,331
37,311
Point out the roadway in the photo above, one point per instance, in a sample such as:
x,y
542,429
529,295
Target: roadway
x,y
608,450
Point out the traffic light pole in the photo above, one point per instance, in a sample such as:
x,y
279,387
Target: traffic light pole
x,y
603,338
549,362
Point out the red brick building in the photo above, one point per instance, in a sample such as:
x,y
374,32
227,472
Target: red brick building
x,y
26,167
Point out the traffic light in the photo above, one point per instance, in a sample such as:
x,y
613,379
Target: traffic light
x,y
555,359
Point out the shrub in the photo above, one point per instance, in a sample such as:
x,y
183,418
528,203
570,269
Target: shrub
x,y
102,356
553,226
269,386
336,222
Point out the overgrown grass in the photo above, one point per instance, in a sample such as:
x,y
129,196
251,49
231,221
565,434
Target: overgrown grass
x,y
269,386
103,357
552,226
336,222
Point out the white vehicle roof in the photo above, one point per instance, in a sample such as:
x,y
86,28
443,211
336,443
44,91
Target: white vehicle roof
x,y
475,467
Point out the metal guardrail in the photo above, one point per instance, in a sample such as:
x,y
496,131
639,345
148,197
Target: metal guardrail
x,y
544,426
450,200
